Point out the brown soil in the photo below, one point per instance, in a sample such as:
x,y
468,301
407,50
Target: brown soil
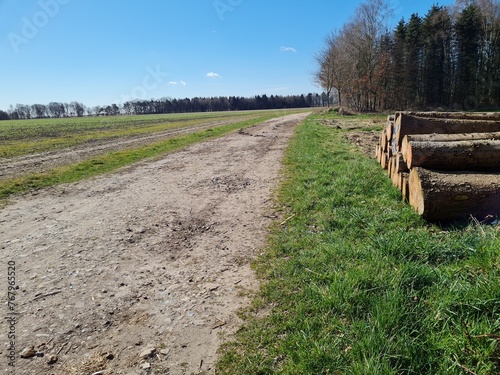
x,y
365,140
41,162
142,271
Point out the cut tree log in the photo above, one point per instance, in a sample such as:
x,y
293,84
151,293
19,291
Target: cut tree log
x,y
457,115
383,142
442,197
394,179
409,125
405,189
401,166
377,153
452,137
446,138
389,129
390,166
393,146
476,155
384,160
397,180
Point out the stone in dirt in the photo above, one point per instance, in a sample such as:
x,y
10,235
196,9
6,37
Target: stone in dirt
x,y
165,351
28,352
146,366
148,352
52,360
212,287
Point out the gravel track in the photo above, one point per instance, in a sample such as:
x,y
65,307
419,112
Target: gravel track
x,y
142,271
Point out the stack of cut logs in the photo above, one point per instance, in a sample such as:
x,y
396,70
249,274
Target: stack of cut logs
x,y
446,164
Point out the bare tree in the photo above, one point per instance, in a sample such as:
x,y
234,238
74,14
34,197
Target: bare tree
x,y
331,72
56,109
39,110
76,109
23,111
366,33
324,76
354,62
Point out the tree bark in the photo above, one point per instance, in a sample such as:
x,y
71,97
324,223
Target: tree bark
x,y
457,115
397,179
389,129
446,138
384,160
390,165
401,164
383,141
443,197
480,155
452,137
405,188
377,153
409,125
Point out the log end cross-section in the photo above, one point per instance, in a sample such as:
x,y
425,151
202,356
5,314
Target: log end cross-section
x,y
444,196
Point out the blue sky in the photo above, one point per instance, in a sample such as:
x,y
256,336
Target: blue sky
x,y
103,52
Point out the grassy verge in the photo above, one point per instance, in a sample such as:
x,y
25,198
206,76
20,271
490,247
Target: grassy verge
x,y
112,161
357,283
32,146
12,130
43,136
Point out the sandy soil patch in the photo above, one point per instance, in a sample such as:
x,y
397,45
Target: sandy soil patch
x,y
142,271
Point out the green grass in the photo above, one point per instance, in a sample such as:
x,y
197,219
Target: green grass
x,y
59,127
357,283
22,137
112,161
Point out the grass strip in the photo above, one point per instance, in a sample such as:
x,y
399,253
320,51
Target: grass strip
x,y
12,130
112,161
42,144
357,283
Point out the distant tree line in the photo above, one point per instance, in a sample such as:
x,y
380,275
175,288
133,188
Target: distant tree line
x,y
165,105
449,59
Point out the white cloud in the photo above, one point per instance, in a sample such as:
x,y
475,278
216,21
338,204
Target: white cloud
x,y
173,83
213,75
288,49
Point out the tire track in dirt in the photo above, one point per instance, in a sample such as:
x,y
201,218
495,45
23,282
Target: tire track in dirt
x,y
42,162
143,271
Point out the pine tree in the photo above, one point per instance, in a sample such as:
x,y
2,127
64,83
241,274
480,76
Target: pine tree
x,y
469,37
414,95
399,83
437,32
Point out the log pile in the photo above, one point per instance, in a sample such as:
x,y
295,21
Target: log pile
x,y
446,164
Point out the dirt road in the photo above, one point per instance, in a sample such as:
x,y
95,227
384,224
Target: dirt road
x,y
141,271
